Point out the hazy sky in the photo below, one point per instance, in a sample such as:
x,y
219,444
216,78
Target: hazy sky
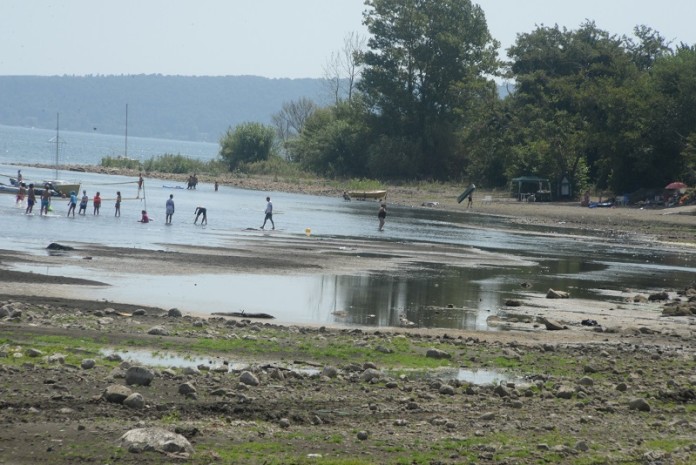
x,y
272,38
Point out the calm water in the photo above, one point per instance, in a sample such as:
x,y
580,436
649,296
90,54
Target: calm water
x,y
581,266
31,146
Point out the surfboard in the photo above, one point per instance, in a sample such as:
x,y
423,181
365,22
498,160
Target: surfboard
x,y
466,193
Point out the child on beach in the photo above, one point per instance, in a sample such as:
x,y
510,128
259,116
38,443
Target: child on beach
x,y
97,203
83,204
72,203
20,194
169,209
45,200
118,204
144,218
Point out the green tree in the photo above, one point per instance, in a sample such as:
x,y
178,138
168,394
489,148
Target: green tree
x,y
333,141
247,143
575,105
424,75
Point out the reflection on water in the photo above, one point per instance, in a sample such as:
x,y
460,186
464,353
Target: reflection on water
x,y
175,360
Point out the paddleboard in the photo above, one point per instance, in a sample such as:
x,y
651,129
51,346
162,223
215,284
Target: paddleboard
x,y
466,193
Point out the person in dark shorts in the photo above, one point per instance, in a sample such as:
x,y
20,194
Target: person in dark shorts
x,y
31,199
201,211
83,204
382,215
269,213
72,203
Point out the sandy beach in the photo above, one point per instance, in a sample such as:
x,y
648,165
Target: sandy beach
x,y
353,395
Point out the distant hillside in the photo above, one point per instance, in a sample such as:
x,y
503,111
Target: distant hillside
x,y
170,107
167,107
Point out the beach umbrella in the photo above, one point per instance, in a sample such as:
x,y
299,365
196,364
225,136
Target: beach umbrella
x,y
676,185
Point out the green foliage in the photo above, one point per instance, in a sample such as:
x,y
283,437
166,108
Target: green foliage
x,y
247,143
274,165
121,163
424,76
178,164
166,163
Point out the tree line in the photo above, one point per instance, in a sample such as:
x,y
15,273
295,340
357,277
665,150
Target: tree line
x,y
419,100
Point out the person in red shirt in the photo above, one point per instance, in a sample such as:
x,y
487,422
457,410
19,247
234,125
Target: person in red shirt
x,y
96,201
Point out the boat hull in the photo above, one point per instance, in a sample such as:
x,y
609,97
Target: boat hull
x,y
65,187
363,195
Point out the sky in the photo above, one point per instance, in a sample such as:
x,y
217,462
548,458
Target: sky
x,y
270,38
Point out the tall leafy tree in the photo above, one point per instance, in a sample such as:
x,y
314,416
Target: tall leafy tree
x,y
427,65
247,143
572,88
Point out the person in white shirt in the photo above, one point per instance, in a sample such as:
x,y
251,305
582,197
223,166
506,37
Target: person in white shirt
x,y
269,213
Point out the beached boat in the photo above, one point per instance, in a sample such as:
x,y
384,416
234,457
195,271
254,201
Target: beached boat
x,y
14,190
363,195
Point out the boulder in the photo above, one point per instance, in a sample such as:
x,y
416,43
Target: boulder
x,y
57,246
437,353
134,401
248,378
187,389
551,325
639,404
553,294
174,313
158,331
156,440
139,376
116,393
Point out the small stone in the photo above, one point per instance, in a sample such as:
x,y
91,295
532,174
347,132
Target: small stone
x,y
248,379
34,353
362,435
88,364
186,389
284,423
447,390
139,312
174,313
158,331
586,381
116,393
370,374
437,353
134,401
139,376
639,404
329,372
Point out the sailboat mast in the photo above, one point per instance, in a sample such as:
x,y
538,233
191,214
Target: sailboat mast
x,y
126,151
57,142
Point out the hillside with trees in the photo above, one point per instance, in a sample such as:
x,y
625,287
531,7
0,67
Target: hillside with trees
x,y
168,107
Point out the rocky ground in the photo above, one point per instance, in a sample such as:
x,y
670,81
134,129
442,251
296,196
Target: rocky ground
x,y
76,376
263,393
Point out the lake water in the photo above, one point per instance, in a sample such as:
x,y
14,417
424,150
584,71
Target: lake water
x,y
585,267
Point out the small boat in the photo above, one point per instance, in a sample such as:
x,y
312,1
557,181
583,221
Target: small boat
x,y
14,190
363,195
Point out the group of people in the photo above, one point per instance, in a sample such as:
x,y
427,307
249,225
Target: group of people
x,y
200,212
96,202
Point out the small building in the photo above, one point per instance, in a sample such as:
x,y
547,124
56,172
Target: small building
x,y
531,189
